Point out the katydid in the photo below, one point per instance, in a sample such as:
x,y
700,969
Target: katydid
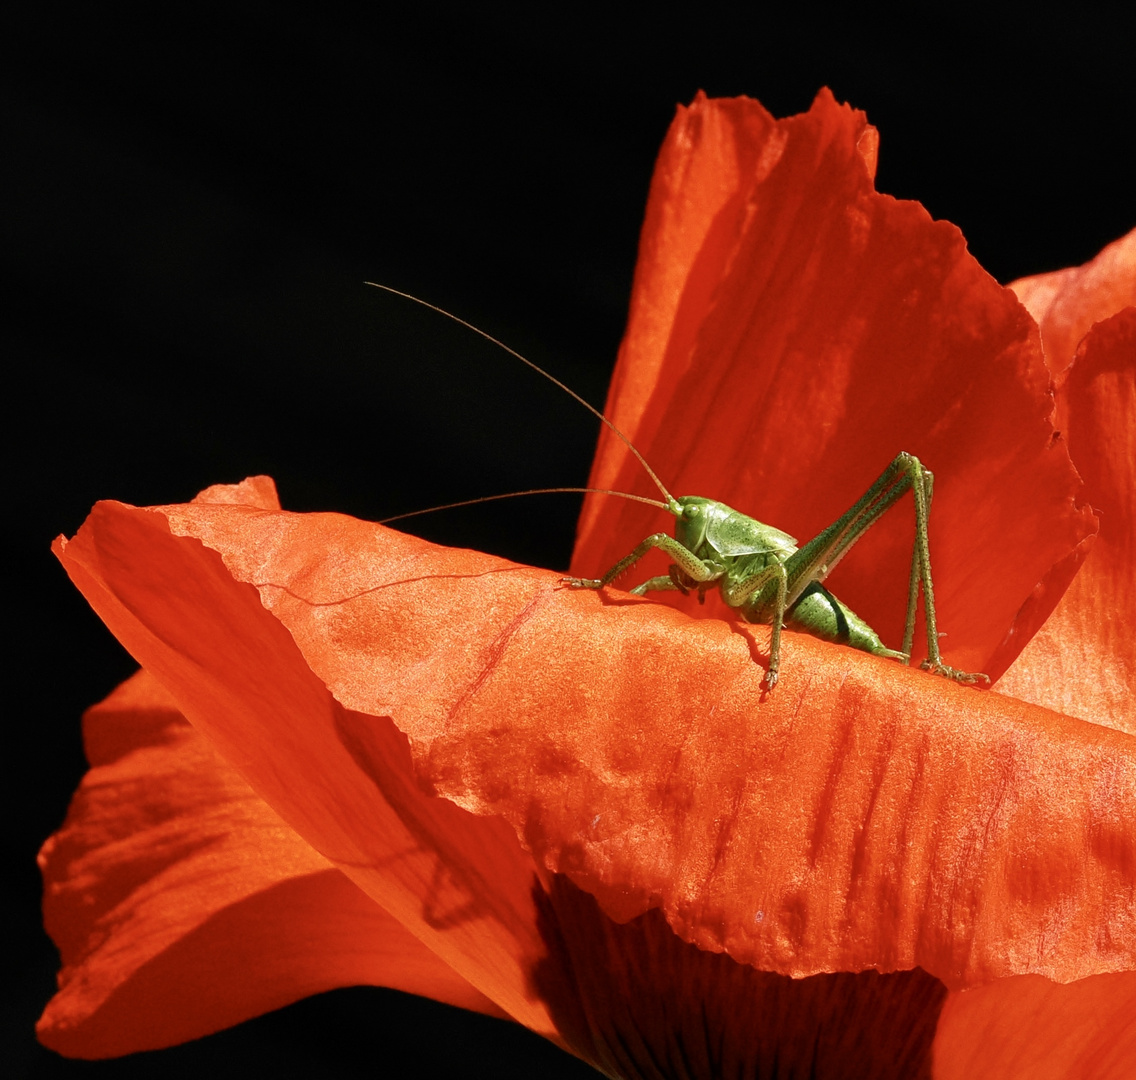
x,y
760,571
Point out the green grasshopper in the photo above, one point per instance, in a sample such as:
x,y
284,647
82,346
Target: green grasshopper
x,y
759,570
765,577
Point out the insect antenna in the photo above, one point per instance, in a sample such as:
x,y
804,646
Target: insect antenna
x,y
517,494
672,504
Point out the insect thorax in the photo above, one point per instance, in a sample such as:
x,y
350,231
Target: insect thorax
x,y
711,528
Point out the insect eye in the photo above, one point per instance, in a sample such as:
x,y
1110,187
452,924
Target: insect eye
x,y
691,511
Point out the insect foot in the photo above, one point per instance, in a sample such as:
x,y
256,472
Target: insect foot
x,y
581,583
967,677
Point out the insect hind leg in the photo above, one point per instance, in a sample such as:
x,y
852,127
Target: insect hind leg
x,y
814,561
922,488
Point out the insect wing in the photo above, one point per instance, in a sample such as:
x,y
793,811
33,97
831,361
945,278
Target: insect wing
x,y
735,534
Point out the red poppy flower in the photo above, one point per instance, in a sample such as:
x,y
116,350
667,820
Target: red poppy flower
x,y
356,757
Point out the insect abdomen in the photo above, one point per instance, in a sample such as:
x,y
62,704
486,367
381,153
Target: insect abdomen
x,y
819,613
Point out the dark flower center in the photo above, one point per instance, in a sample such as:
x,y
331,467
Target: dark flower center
x,y
641,1004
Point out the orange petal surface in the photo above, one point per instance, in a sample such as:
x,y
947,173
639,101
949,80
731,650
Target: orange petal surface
x,y
1029,1028
862,815
182,904
792,330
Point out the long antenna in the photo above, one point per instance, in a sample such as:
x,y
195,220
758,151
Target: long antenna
x,y
517,494
672,502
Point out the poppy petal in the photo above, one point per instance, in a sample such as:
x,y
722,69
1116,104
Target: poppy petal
x,y
1082,660
460,884
182,904
1066,303
818,329
705,167
862,815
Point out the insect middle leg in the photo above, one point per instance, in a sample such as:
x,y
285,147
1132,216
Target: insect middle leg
x,y
746,593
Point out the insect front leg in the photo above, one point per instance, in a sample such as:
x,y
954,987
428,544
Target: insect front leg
x,y
662,583
671,582
684,558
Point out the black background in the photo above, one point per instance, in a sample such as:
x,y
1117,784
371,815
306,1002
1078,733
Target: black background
x,y
192,197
